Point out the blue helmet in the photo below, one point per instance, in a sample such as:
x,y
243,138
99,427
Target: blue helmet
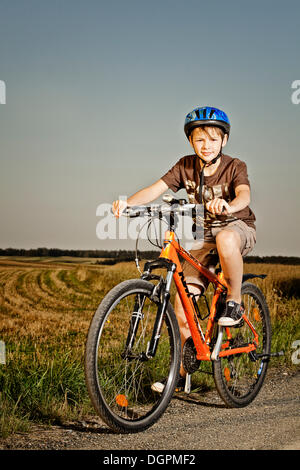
x,y
206,116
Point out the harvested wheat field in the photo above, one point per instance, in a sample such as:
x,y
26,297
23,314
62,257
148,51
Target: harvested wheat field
x,y
45,310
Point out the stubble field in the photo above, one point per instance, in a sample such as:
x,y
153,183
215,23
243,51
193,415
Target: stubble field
x,y
46,306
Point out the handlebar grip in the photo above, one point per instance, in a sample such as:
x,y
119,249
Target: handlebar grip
x,y
125,212
134,211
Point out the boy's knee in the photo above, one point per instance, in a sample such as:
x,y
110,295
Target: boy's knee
x,y
228,240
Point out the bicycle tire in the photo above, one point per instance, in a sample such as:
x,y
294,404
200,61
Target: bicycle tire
x,y
239,378
126,403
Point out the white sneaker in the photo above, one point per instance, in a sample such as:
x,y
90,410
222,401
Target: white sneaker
x,y
159,386
232,314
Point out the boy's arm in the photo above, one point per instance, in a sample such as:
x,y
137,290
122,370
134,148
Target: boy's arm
x,y
242,199
148,194
144,196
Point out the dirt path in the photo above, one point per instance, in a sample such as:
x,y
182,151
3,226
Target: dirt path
x,y
191,422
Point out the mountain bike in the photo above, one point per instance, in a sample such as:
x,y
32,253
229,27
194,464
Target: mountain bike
x,y
134,340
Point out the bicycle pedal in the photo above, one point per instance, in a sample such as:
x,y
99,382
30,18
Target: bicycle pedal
x,y
253,356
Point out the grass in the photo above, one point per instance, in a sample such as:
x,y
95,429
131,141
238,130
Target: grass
x,y
41,383
45,311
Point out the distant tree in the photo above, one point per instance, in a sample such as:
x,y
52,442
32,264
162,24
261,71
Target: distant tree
x,y
128,255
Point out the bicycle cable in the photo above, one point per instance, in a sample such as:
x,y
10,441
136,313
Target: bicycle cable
x,y
137,241
149,222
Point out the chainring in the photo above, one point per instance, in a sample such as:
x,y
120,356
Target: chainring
x,y
189,357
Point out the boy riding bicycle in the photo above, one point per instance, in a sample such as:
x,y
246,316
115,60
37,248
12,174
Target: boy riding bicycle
x,y
221,183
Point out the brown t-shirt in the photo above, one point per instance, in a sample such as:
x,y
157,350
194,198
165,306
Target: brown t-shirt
x,y
230,173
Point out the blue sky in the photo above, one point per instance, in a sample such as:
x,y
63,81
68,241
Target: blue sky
x,y
97,93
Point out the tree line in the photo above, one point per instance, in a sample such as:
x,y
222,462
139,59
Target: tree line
x,y
127,255
121,255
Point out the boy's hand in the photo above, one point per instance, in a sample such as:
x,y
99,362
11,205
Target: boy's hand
x,y
219,206
118,207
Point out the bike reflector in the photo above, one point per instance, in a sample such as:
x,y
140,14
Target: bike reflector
x,y
122,401
256,314
227,374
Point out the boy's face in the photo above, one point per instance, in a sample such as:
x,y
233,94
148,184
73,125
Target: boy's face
x,y
207,143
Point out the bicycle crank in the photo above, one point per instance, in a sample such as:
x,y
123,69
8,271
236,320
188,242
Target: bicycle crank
x,y
217,348
254,356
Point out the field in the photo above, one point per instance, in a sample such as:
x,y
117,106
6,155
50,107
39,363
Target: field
x,y
46,305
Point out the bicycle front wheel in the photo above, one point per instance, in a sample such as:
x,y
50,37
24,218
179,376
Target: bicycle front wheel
x,y
239,377
119,375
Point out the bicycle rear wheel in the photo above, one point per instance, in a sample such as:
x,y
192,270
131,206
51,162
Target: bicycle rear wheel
x,y
239,377
119,376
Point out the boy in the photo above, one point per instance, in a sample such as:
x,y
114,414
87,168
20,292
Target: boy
x,y
221,184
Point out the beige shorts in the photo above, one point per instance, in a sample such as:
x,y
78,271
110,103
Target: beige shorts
x,y
205,250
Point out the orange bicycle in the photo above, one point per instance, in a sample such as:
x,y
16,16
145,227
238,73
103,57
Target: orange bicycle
x,y
134,340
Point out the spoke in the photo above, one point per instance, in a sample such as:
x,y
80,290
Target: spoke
x,y
242,369
144,325
130,377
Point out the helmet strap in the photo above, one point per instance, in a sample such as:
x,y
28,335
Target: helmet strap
x,y
212,162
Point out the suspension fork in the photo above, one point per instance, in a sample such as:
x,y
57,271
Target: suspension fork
x,y
162,289
136,317
161,311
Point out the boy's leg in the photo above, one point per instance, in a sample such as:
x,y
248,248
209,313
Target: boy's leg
x,y
233,242
182,322
196,284
184,335
229,250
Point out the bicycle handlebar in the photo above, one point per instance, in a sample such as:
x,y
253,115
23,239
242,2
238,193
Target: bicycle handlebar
x,y
158,209
173,206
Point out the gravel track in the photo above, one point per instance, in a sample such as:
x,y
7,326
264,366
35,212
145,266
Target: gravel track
x,y
191,422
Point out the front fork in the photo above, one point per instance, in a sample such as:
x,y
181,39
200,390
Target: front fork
x,y
136,317
162,307
161,292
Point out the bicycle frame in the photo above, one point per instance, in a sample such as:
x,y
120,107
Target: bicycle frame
x,y
202,342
